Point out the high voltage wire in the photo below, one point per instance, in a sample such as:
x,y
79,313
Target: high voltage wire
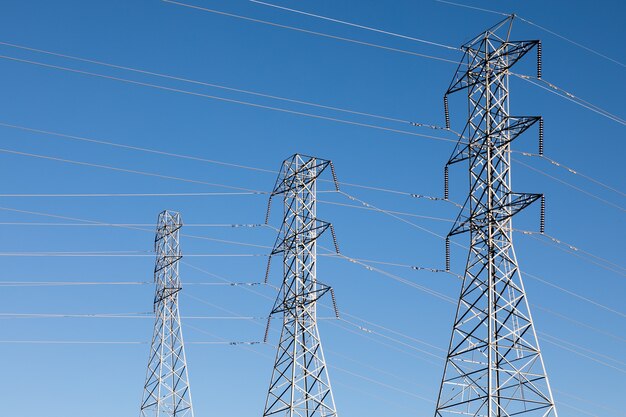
x,y
310,32
593,51
190,157
128,171
107,283
393,214
231,226
257,192
224,99
587,193
572,250
220,86
109,342
122,255
581,324
575,172
358,326
229,343
621,314
86,195
343,22
395,277
568,95
116,316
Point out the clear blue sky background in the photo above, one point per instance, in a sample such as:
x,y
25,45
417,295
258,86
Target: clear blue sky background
x,y
371,375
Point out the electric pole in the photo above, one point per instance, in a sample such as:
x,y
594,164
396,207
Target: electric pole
x,y
494,367
299,386
166,392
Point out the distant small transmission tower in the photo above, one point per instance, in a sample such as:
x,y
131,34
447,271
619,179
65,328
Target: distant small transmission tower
x,y
300,386
494,366
166,392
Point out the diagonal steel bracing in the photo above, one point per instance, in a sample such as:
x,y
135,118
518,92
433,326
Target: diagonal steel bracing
x,y
166,391
494,366
299,386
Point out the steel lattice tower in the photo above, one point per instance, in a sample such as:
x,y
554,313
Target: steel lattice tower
x,y
166,392
494,366
300,386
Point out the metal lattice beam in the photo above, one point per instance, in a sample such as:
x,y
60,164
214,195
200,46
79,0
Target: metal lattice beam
x,y
166,391
494,367
299,386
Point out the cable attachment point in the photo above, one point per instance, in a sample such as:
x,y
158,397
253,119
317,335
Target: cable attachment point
x,y
446,180
334,300
446,111
539,59
447,254
541,137
542,218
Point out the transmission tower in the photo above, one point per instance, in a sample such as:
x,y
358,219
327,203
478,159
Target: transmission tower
x,y
494,366
166,392
300,386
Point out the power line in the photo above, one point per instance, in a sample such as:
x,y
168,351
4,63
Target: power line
x,y
220,86
573,294
552,88
149,255
573,250
581,324
381,189
566,39
353,25
566,96
367,266
595,303
114,283
116,316
128,171
593,51
231,226
95,195
129,227
116,342
587,193
310,32
473,7
190,157
576,172
228,100
122,255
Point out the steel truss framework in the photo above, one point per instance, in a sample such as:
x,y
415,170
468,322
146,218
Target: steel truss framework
x,y
299,386
494,367
166,391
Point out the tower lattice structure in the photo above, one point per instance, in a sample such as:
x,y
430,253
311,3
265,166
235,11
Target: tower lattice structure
x,y
300,386
494,367
166,391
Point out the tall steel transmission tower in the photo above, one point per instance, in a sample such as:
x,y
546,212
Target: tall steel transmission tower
x,y
300,386
494,367
166,392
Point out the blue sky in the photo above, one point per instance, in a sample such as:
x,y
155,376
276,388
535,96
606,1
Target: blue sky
x,y
581,326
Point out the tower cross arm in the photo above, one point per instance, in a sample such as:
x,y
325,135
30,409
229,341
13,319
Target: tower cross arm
x,y
482,62
312,165
288,239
